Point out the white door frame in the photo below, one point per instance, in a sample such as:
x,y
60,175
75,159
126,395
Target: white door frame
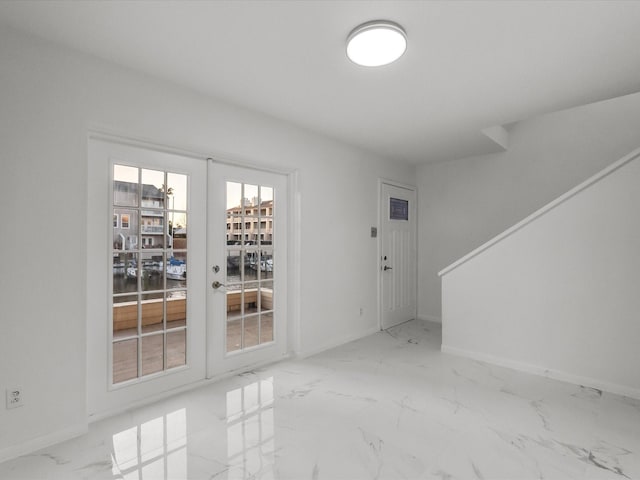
x,y
381,182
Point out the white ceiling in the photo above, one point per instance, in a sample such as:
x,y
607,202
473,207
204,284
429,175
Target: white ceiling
x,y
468,66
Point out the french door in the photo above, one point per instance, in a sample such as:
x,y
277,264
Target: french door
x,y
247,267
146,274
158,224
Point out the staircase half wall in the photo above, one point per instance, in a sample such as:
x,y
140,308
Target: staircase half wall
x,y
558,294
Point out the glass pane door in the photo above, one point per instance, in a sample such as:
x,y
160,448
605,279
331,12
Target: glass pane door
x,y
248,252
146,273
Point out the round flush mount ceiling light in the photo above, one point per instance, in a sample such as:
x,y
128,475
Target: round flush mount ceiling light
x,y
376,43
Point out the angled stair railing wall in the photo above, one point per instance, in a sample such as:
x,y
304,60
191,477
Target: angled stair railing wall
x,y
557,294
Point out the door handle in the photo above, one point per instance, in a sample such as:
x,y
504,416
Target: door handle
x,y
217,284
387,268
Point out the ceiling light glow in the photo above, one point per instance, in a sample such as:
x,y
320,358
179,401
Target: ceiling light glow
x,y
376,43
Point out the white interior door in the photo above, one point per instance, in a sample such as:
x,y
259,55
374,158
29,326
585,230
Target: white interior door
x,y
398,254
247,270
146,274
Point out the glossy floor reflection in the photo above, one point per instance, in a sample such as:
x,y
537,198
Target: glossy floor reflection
x,y
389,406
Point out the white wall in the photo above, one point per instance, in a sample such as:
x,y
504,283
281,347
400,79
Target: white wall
x,y
464,203
50,97
558,296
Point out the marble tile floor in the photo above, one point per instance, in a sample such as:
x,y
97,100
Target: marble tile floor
x,y
389,406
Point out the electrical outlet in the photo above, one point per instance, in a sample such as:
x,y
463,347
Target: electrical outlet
x,y
14,397
361,311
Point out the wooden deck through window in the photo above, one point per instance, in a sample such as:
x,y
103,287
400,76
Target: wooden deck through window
x,y
126,344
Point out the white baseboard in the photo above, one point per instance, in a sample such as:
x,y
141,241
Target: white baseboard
x,y
545,372
429,318
44,441
337,342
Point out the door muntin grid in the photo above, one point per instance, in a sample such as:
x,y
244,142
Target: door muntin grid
x,y
249,266
149,272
